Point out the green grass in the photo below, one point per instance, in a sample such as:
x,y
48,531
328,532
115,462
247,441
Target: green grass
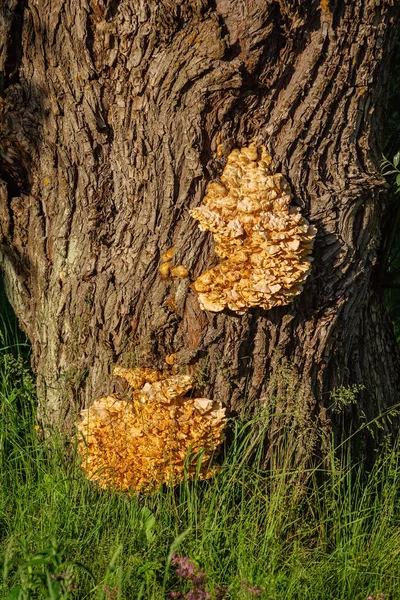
x,y
332,535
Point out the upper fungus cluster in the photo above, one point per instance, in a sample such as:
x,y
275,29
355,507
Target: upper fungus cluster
x,y
265,243
159,436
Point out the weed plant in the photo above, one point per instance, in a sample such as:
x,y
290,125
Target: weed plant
x,y
391,255
253,530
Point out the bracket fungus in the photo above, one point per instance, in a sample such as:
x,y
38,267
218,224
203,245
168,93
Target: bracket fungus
x,y
179,271
165,261
265,243
160,436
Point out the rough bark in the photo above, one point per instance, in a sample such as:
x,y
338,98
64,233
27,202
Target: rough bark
x,y
111,117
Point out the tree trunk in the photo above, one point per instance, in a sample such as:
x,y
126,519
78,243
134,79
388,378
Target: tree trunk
x,y
117,115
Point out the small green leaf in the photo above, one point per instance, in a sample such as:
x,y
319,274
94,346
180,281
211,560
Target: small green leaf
x,y
398,180
148,523
396,159
37,560
15,593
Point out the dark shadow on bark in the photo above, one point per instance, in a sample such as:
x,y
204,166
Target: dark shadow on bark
x,y
14,52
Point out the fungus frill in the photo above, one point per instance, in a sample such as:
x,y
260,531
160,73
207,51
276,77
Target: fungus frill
x,y
158,437
265,243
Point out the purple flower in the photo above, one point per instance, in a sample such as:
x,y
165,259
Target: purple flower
x,y
199,579
252,590
198,594
220,592
185,567
111,592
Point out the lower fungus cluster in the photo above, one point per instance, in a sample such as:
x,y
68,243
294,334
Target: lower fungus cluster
x,y
265,243
160,436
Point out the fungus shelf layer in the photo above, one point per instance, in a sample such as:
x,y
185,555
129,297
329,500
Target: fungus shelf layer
x,y
157,437
265,243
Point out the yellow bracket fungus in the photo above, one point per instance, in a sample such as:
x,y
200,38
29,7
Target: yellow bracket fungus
x,y
166,258
180,271
170,359
165,269
165,266
160,436
265,243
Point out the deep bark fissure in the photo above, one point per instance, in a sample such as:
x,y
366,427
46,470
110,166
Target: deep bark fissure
x,y
14,47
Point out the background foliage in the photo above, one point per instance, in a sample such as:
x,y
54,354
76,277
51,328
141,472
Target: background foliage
x,y
390,167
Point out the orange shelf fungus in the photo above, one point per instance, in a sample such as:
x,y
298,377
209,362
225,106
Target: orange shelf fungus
x,y
180,271
265,243
157,437
165,268
168,255
170,359
165,261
